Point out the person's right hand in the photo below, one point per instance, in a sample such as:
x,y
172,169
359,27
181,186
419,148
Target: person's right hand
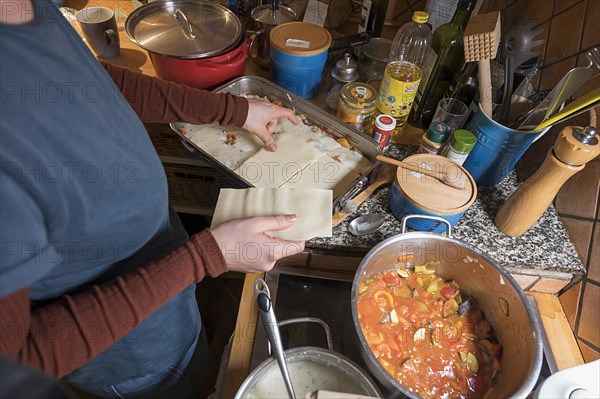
x,y
247,247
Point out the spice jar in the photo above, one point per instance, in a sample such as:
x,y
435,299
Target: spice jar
x,y
460,145
357,105
435,137
345,71
384,127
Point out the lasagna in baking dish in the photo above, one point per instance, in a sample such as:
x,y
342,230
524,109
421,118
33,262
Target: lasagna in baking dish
x,y
307,156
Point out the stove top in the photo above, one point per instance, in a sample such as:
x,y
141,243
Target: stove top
x,y
326,295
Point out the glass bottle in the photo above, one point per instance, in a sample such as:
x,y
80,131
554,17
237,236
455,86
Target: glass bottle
x,y
448,45
372,17
344,71
460,145
466,86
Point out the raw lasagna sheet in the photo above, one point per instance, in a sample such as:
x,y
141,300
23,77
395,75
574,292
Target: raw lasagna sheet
x,y
313,208
267,169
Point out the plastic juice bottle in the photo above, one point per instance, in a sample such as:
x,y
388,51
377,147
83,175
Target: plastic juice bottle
x,y
397,92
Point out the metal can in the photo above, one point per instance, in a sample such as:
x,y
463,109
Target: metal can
x,y
357,105
384,127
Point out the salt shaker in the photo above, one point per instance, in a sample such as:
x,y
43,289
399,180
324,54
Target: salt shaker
x,y
344,71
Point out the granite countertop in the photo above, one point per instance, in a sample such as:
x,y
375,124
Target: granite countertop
x,y
545,249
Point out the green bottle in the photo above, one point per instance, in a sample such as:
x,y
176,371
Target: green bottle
x,y
448,45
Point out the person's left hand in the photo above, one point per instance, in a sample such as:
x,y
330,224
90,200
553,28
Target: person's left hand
x,y
262,119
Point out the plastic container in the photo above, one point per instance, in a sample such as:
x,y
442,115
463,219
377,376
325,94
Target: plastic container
x,y
434,138
383,130
412,41
460,146
497,150
415,193
357,105
298,55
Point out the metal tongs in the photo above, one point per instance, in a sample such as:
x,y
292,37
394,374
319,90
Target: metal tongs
x,y
261,291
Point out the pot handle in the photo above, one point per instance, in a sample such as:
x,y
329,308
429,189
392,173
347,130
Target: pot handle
x,y
298,320
188,25
405,219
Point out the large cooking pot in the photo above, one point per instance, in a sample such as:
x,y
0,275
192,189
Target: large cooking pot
x,y
311,368
502,300
198,43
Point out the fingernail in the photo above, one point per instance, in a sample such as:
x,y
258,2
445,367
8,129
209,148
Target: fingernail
x,y
292,218
272,147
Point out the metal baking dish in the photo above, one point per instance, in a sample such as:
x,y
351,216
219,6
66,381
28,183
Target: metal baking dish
x,y
257,86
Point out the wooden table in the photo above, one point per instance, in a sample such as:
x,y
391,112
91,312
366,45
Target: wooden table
x,y
560,335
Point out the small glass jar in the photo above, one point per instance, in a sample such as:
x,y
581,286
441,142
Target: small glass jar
x,y
460,145
357,105
384,128
434,139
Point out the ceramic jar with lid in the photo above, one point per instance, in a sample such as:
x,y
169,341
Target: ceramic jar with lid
x,y
357,105
415,193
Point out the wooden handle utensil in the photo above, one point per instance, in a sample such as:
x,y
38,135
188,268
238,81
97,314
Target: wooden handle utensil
x,y
458,183
481,38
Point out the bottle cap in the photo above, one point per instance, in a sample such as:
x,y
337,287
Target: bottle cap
x,y
438,132
346,69
385,122
420,17
463,140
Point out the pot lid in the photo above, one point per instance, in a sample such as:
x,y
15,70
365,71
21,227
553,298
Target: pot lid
x,y
431,195
184,29
268,16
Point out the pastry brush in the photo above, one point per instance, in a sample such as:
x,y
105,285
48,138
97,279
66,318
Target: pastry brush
x,y
481,40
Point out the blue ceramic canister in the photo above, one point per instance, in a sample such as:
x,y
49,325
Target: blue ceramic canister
x,y
416,193
298,55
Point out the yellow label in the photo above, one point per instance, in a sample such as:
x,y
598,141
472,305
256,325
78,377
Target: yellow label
x,y
396,97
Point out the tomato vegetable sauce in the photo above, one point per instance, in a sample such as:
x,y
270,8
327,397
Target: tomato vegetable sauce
x,y
427,334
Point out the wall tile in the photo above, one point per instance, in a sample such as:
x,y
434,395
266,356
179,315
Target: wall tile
x,y
514,12
593,272
565,33
570,303
580,233
561,5
589,317
552,74
579,195
591,31
589,354
549,285
524,281
540,10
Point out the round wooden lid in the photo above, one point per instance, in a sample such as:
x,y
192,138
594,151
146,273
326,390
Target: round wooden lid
x,y
430,194
300,38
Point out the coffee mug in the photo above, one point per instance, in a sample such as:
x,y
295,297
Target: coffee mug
x,y
99,27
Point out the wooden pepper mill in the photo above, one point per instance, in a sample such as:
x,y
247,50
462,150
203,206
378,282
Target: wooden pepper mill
x,y
573,148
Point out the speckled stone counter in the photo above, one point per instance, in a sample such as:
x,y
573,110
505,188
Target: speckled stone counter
x,y
543,256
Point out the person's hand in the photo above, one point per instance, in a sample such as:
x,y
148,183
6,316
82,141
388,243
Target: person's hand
x,y
262,119
248,248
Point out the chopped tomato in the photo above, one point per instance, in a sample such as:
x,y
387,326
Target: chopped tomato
x,y
390,279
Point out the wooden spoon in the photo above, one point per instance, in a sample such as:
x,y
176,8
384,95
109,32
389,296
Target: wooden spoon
x,y
385,175
458,183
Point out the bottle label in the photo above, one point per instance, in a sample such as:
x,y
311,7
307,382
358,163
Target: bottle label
x,y
452,155
396,97
364,15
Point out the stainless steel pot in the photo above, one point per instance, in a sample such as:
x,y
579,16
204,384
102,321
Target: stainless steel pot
x,y
266,18
343,375
502,300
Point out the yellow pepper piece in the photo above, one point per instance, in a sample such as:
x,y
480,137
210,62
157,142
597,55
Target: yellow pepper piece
x,y
387,296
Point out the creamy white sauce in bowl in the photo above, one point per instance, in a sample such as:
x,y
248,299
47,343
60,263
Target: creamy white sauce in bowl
x,y
310,369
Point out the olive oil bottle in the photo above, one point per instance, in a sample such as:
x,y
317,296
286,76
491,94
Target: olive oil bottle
x,y
397,92
448,45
